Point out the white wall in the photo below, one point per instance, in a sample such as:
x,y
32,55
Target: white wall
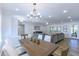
x,y
9,28
29,28
0,27
6,27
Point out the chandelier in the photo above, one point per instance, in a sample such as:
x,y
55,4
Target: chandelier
x,y
34,14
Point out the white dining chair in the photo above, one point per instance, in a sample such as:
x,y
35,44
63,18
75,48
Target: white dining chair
x,y
29,35
9,50
40,36
47,38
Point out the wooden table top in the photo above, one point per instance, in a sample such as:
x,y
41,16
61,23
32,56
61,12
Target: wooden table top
x,y
43,49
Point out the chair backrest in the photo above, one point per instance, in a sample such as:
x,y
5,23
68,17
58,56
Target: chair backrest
x,y
35,36
65,52
47,38
9,48
29,35
40,36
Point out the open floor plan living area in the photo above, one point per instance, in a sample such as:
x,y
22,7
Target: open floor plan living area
x,y
39,29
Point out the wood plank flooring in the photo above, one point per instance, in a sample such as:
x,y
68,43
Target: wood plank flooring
x,y
73,45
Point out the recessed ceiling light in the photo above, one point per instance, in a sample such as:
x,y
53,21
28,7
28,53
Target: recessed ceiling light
x,y
47,23
69,17
49,16
17,9
65,11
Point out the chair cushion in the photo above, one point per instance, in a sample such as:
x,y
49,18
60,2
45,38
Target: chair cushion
x,y
21,50
10,49
25,54
22,53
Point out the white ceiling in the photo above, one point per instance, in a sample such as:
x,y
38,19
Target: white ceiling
x,y
55,10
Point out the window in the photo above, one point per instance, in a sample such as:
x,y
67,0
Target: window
x,y
65,28
55,28
74,29
21,29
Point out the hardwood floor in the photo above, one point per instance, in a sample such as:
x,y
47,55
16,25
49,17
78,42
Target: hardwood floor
x,y
73,45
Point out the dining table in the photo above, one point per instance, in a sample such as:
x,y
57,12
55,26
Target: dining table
x,y
44,48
